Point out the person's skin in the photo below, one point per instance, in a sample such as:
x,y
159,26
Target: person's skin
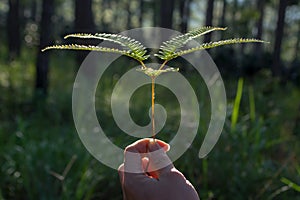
x,y
162,184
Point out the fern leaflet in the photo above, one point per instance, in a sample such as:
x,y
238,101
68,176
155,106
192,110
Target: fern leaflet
x,y
88,48
215,44
134,47
168,48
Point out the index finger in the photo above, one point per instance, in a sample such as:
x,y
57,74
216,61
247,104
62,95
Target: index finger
x,y
134,153
142,145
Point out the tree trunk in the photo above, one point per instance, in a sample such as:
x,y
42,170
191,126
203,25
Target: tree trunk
x,y
297,44
234,10
184,14
33,10
155,10
42,65
104,24
84,20
261,9
223,17
141,12
13,29
129,14
209,18
84,23
276,67
166,13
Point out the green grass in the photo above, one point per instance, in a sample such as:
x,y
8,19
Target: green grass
x,y
237,102
38,141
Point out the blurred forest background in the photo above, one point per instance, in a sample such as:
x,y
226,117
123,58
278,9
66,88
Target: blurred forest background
x,y
257,156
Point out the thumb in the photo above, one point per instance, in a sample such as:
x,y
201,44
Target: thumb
x,y
159,162
132,160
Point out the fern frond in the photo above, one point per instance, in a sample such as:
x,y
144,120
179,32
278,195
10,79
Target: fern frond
x,y
216,44
168,48
136,49
88,48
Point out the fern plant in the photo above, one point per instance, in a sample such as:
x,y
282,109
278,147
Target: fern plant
x,y
168,50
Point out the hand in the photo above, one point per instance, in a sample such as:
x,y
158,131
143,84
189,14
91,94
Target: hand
x,y
143,178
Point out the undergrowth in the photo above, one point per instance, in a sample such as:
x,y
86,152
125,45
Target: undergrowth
x,y
43,158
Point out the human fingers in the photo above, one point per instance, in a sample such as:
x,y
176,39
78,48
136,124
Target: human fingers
x,y
181,187
159,162
135,182
121,173
142,145
135,162
134,154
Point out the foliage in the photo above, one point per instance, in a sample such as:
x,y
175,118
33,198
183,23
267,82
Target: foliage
x,y
291,184
258,160
237,102
134,48
168,50
253,157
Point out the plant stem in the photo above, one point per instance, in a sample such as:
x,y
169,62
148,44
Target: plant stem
x,y
153,98
143,65
162,65
152,106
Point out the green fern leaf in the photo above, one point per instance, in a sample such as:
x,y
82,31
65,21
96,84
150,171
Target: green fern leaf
x,y
88,48
168,48
134,47
216,44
